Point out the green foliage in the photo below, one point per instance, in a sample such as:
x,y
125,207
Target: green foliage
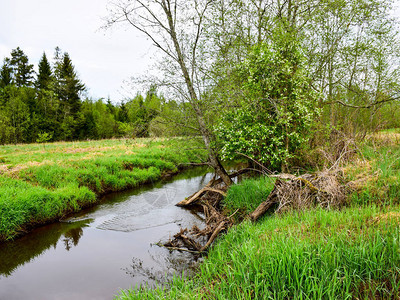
x,y
45,76
68,86
21,69
273,120
54,105
5,74
44,137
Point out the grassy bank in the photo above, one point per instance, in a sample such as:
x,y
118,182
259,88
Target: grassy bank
x,y
353,253
40,183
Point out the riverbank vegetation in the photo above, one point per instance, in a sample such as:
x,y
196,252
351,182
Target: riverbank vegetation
x,y
41,183
315,253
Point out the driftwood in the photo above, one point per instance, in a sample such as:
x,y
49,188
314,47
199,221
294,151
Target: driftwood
x,y
215,233
197,195
264,206
198,240
289,192
209,188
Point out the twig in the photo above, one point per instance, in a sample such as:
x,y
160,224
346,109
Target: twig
x,y
178,249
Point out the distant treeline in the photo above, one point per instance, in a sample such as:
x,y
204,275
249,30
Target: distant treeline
x,y
50,105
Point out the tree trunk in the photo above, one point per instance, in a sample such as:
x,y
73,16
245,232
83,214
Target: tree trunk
x,y
194,101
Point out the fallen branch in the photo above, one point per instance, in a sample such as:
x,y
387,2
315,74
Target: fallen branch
x,y
209,188
220,227
178,249
264,206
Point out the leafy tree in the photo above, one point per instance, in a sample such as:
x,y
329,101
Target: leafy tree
x,y
44,137
273,120
177,30
19,115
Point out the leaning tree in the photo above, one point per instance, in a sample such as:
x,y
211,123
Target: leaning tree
x,y
177,30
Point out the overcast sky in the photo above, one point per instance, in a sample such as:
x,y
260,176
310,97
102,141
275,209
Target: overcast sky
x,y
103,59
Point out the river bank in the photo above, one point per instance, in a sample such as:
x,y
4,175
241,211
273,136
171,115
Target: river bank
x,y
43,183
319,254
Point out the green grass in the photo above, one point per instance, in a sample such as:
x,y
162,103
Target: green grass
x,y
38,184
376,175
243,198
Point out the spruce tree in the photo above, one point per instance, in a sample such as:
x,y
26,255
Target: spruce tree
x,y
5,74
22,70
44,77
68,85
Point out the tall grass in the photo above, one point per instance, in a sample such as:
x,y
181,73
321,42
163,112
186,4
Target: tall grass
x,y
247,195
37,185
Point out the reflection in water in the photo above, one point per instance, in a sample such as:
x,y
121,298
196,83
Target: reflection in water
x,y
72,237
168,266
29,247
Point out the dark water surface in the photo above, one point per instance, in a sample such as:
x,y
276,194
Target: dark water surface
x,y
94,254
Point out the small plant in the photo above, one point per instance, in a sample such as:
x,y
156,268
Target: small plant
x,y
44,137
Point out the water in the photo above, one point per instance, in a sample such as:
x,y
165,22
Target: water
x,y
94,254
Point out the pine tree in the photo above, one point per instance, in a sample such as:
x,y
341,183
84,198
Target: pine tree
x,y
44,77
22,70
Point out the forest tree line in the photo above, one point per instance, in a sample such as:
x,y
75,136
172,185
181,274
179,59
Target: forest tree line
x,y
50,105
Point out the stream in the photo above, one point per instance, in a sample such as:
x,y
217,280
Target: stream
x,y
112,246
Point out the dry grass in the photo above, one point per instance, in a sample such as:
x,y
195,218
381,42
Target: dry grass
x,y
388,217
380,139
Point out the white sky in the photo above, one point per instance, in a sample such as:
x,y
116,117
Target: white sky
x,y
103,59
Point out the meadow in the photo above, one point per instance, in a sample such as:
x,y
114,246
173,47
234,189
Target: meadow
x,y
40,183
350,253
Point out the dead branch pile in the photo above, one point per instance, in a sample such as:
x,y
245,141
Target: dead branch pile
x,y
298,193
290,193
340,150
198,240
